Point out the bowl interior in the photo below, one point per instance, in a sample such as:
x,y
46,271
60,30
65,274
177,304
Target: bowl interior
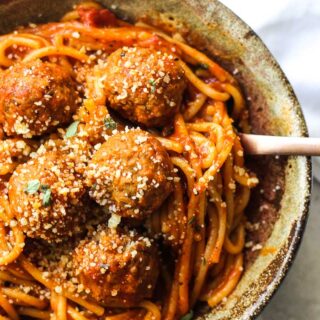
x,y
279,205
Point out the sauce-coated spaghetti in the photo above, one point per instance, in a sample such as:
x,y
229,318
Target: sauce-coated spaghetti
x,y
123,186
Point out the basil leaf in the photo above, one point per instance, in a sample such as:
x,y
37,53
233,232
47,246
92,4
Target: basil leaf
x,y
72,129
109,123
46,200
153,85
187,316
32,186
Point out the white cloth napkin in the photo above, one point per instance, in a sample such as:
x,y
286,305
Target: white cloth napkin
x,y
291,31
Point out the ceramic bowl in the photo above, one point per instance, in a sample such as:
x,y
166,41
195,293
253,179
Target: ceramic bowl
x,y
279,207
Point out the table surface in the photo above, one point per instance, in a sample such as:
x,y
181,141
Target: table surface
x,y
298,298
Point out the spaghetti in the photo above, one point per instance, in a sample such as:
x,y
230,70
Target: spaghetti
x,y
199,227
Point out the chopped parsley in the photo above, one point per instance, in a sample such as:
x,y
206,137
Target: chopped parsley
x,y
203,65
109,123
32,186
192,220
94,186
46,200
153,85
44,187
72,129
188,316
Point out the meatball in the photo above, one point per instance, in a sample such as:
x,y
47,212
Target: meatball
x,y
35,98
12,152
46,196
130,174
120,269
144,85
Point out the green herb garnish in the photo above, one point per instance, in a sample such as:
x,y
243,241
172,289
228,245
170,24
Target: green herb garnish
x,y
94,186
187,316
72,129
192,220
32,186
46,200
44,187
203,65
153,85
109,123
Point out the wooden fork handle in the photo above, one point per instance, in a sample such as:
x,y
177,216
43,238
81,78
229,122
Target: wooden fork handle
x,y
277,145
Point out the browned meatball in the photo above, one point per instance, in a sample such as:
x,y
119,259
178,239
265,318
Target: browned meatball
x,y
35,98
144,85
130,174
120,269
12,152
46,195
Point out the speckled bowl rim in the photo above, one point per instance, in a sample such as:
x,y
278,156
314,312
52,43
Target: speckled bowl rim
x,y
300,226
296,241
